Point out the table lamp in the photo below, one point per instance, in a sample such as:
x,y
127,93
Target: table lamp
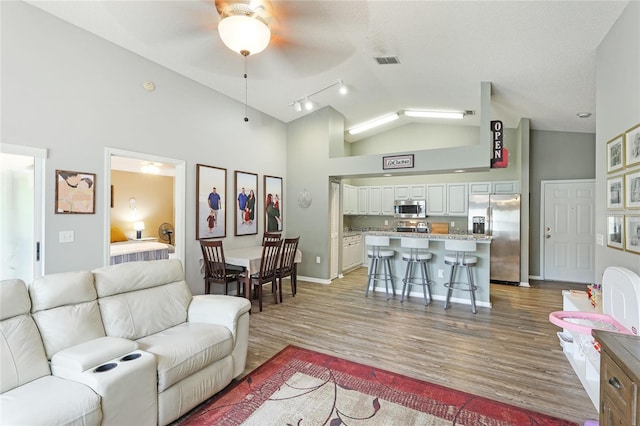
x,y
138,227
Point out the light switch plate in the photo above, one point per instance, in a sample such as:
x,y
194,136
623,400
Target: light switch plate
x,y
65,236
600,239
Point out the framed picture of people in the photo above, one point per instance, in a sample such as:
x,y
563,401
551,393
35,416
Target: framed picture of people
x,y
632,144
75,192
632,190
245,205
211,188
632,233
615,153
273,204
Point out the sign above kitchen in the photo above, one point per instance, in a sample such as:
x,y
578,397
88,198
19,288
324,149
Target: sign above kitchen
x,y
397,162
499,159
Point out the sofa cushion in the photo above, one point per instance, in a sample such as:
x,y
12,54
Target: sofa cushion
x,y
186,349
132,276
62,289
51,400
14,299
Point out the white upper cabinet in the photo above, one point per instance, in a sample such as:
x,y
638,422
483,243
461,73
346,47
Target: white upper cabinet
x,y
506,187
349,199
410,192
363,200
447,199
388,199
381,200
479,188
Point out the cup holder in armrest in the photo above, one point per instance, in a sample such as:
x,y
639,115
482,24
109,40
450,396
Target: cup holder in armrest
x,y
105,367
131,357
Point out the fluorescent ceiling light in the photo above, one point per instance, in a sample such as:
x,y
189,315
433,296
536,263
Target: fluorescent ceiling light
x,y
373,123
435,114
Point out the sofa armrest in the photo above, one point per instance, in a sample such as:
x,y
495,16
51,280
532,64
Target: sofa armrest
x,y
74,360
218,309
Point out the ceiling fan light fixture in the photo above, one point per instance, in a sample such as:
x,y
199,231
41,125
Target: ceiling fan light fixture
x,y
373,123
244,34
456,115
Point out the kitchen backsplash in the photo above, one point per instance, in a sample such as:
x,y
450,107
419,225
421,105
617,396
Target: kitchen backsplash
x,y
359,223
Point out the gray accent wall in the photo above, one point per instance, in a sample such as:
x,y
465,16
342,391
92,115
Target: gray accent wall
x,y
555,156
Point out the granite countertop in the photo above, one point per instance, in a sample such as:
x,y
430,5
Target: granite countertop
x,y
478,238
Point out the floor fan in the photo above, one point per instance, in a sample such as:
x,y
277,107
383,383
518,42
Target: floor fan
x,y
165,233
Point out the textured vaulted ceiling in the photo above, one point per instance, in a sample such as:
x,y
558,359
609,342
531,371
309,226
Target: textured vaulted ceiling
x,y
538,55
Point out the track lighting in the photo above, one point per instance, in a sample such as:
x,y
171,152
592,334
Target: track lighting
x,y
308,104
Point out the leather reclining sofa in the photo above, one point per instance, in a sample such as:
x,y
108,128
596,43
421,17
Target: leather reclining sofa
x,y
120,345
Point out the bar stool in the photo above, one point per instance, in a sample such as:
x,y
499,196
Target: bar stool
x,y
416,258
460,259
379,251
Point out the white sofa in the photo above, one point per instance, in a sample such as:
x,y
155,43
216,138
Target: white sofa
x,y
163,351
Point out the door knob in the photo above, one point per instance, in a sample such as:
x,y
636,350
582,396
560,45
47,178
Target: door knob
x,y
547,236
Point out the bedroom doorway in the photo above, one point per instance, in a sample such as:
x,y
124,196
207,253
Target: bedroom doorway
x,y
143,199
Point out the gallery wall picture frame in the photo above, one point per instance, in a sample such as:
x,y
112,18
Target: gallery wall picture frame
x,y
615,192
273,204
632,146
615,154
632,233
75,192
245,210
632,190
615,231
211,191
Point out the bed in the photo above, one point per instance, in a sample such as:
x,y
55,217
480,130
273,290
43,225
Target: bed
x,y
125,250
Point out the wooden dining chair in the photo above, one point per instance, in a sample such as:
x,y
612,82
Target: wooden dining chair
x,y
287,267
216,270
271,236
268,270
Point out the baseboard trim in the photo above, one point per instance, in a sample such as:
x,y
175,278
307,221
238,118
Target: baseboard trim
x,y
535,277
314,280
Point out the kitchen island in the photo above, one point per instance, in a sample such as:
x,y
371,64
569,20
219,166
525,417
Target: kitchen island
x,y
436,247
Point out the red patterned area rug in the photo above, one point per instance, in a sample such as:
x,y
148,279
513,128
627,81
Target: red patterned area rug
x,y
303,387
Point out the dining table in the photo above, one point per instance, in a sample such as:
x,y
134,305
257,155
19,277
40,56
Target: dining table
x,y
249,258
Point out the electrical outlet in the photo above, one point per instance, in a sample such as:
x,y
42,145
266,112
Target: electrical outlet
x,y
386,222
440,273
65,236
453,224
317,259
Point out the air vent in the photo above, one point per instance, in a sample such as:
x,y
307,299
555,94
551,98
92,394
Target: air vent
x,y
387,60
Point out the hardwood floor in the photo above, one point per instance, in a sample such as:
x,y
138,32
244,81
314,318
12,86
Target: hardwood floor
x,y
508,353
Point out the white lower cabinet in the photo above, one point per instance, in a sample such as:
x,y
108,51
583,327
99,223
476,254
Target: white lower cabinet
x,y
351,252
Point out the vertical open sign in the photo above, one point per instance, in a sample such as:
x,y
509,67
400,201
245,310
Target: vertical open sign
x,y
499,159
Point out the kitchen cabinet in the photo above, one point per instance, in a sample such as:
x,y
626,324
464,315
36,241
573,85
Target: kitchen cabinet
x,y
479,188
349,199
447,199
410,192
351,252
381,200
505,187
619,378
363,200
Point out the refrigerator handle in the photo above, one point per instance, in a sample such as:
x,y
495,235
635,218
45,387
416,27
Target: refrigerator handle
x,y
489,220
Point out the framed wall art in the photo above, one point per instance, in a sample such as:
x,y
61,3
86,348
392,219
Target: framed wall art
x,y
632,145
615,153
632,190
75,192
245,210
273,204
615,231
615,193
632,233
211,188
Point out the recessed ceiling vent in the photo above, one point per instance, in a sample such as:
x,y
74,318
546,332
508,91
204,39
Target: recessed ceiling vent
x,y
387,60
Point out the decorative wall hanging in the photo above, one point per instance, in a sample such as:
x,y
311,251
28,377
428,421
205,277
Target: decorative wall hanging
x,y
632,144
632,190
273,204
245,212
615,154
615,231
211,188
632,233
75,192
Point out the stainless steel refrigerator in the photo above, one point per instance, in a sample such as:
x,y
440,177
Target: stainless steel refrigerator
x,y
498,215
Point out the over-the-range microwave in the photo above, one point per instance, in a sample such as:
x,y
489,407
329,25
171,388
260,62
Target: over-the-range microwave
x,y
410,209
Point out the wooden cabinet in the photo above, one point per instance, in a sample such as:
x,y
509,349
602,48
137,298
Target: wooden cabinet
x,y
447,199
410,192
619,378
351,252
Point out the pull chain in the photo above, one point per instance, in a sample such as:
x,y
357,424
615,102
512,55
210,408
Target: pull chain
x,y
245,53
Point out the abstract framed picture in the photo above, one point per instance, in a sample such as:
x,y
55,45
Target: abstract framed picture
x,y
246,194
75,192
632,144
632,233
211,188
273,204
615,231
632,190
615,193
615,154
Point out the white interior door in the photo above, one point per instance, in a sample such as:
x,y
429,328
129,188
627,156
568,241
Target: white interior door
x,y
21,212
335,227
568,230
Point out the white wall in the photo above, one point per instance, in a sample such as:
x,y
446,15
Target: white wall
x,y
617,109
74,93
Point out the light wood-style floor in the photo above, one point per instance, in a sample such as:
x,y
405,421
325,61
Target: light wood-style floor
x,y
508,353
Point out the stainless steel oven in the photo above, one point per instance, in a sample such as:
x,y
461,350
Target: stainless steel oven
x,y
410,209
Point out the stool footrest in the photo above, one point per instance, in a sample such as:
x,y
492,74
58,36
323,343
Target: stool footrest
x,y
464,286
